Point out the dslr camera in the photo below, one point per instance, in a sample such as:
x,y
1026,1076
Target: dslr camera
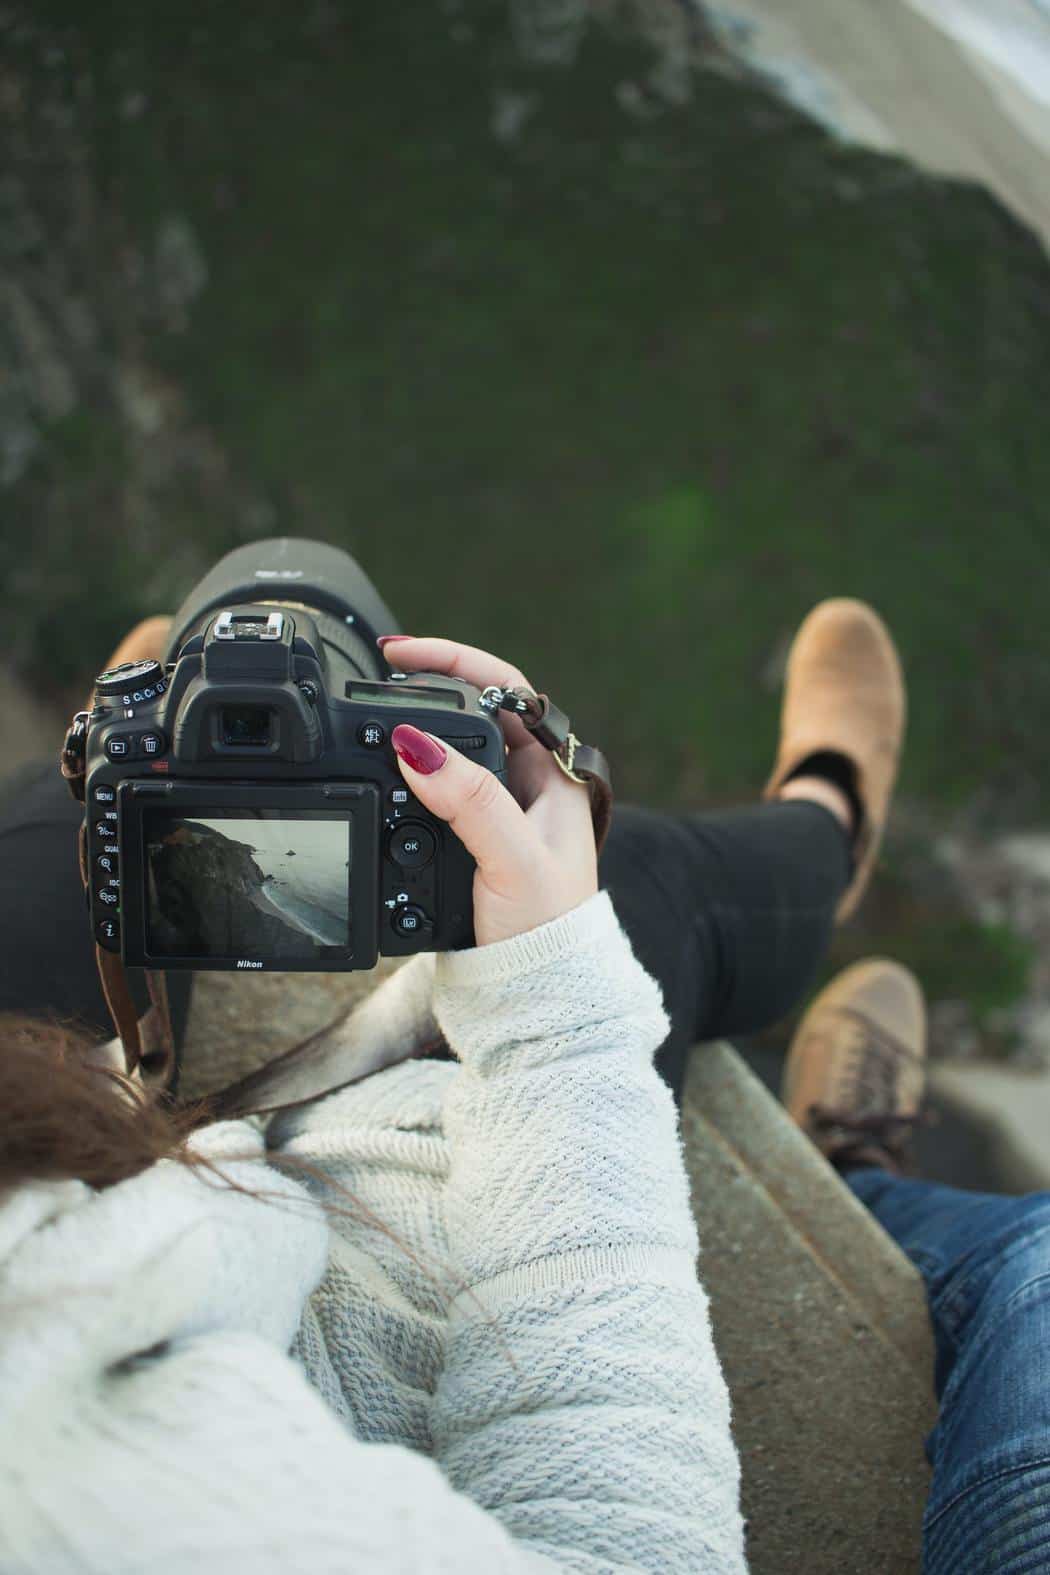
x,y
244,805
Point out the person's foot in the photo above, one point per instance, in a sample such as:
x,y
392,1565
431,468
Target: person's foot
x,y
148,639
842,720
856,1071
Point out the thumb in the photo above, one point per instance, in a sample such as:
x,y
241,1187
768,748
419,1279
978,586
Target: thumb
x,y
479,809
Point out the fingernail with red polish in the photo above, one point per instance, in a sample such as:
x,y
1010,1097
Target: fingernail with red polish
x,y
418,749
388,639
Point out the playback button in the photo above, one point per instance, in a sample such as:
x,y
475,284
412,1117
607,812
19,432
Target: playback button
x,y
136,746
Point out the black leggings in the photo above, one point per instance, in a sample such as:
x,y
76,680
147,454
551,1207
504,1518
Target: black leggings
x,y
47,954
731,912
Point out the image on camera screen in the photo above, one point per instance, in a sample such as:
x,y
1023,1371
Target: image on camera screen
x,y
262,885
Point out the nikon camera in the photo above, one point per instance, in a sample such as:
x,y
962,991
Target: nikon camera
x,y
244,805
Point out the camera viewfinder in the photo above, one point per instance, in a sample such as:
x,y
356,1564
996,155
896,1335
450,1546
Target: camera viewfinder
x,y
246,726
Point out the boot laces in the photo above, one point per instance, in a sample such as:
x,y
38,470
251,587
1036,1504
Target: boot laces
x,y
866,1117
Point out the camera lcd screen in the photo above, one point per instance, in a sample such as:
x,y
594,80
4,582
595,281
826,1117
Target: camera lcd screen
x,y
392,694
248,884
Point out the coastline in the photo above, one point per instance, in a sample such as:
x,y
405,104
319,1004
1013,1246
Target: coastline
x,y
961,88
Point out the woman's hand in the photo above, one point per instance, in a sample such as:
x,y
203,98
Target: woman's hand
x,y
534,845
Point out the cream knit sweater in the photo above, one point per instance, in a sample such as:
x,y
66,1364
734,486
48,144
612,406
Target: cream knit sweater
x,y
502,1358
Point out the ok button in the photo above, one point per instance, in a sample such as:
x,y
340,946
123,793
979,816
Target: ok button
x,y
412,845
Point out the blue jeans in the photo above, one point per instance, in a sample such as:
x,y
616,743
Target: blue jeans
x,y
986,1263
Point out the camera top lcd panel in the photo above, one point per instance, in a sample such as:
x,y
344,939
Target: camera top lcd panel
x,y
245,809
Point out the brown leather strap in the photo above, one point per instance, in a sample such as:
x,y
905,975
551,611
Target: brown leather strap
x,y
591,764
82,855
148,1041
122,1008
156,1036
71,757
582,762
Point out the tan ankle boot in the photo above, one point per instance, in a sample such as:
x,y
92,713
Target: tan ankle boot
x,y
856,1071
844,693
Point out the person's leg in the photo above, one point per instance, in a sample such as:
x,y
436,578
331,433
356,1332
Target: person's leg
x,y
853,1082
148,639
986,1264
49,954
730,912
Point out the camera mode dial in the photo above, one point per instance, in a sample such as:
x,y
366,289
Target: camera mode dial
x,y
134,683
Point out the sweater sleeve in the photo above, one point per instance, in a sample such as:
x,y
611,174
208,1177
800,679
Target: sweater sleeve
x,y
581,1401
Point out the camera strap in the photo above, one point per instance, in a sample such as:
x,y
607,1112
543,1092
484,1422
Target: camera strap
x,y
550,726
302,1072
148,1040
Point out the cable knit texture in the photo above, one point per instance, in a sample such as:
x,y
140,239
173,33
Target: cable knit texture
x,y
501,1357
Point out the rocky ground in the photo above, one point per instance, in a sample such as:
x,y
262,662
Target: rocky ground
x,y
1005,882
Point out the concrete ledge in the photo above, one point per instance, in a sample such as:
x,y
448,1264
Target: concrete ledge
x,y
255,1017
822,1328
837,1229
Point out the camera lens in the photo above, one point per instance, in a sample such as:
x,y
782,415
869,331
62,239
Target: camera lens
x,y
246,726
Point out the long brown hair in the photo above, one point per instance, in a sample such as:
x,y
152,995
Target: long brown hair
x,y
64,1117
61,1116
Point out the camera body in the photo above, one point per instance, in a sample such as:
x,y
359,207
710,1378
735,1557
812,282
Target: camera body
x,y
244,805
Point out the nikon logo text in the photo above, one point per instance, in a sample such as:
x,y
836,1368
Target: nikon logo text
x,y
245,962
